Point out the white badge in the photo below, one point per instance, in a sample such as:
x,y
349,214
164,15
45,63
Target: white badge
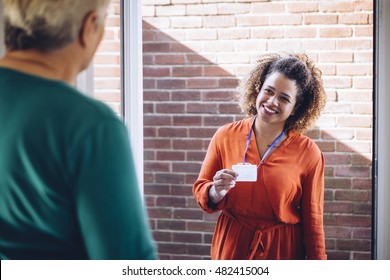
x,y
246,172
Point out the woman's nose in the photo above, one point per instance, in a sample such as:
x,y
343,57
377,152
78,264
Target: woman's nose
x,y
273,100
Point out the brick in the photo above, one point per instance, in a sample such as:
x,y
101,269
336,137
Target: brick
x,y
151,95
155,47
361,233
164,236
234,8
170,10
338,207
354,95
326,146
186,22
331,134
364,56
229,108
170,156
157,166
202,34
171,84
354,44
337,159
149,71
233,34
186,71
337,82
349,195
336,6
187,214
169,59
353,171
366,108
354,69
157,120
201,59
187,144
169,178
216,71
201,83
186,167
364,134
335,32
198,250
362,183
183,190
284,45
353,244
249,46
291,19
337,232
155,189
363,6
216,120
187,120
319,44
200,226
186,47
202,108
336,57
362,159
355,121
252,20
218,21
160,213
170,108
219,46
156,2
363,208
202,9
186,237
322,19
338,183
192,95
338,107
326,121
157,144
362,147
266,33
299,7
268,8
196,156
217,95
172,132
353,220
363,82
353,18
363,31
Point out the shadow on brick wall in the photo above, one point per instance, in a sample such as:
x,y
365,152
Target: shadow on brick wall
x,y
186,98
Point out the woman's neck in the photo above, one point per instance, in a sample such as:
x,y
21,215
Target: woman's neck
x,y
267,132
47,65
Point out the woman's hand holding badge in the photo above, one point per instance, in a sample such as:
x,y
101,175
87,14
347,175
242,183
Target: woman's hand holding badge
x,y
224,180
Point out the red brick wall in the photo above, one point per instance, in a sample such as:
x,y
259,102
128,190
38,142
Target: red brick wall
x,y
194,54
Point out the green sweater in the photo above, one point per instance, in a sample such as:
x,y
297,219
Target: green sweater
x,y
68,188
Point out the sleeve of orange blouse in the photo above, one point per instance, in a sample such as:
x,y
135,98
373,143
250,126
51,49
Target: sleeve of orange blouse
x,y
211,164
313,210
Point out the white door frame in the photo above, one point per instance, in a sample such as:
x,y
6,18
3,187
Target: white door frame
x,y
381,164
132,80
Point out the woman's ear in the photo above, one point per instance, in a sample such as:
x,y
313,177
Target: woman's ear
x,y
88,28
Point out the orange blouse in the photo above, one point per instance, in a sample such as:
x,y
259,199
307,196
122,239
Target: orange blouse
x,y
278,217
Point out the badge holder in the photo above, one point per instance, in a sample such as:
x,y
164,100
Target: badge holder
x,y
246,172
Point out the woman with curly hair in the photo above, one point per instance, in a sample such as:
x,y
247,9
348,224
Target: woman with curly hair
x,y
262,173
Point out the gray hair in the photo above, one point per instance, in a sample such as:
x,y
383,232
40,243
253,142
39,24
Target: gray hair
x,y
46,25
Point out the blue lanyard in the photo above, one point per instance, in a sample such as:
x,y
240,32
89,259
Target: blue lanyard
x,y
270,147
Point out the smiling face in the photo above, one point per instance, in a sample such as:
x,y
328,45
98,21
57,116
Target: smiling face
x,y
276,99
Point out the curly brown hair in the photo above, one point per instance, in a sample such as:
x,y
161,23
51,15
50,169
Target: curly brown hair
x,y
298,67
